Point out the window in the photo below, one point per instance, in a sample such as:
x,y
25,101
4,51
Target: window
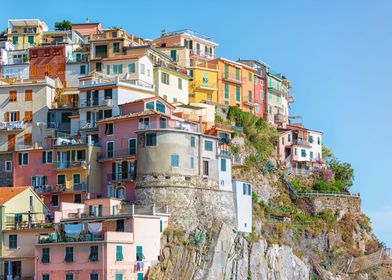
x,y
109,149
193,141
15,40
76,178
132,146
295,151
131,68
139,253
55,200
23,159
116,47
37,181
47,157
318,140
192,162
108,129
311,154
250,76
179,83
82,69
140,276
208,145
237,94
237,73
107,69
28,95
173,55
78,198
206,170
98,67
45,258
117,69
250,96
289,138
120,226
28,139
311,139
261,94
13,241
69,276
12,96
160,226
164,78
142,68
303,153
150,105
283,140
161,107
119,276
223,164
8,166
226,91
108,93
93,276
151,139
61,179
205,78
175,160
119,254
45,277
247,190
69,254
114,34
226,71
93,253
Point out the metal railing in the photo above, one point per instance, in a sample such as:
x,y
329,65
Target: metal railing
x,y
71,164
118,177
333,194
301,142
28,225
86,237
177,125
61,188
16,125
92,103
117,153
234,78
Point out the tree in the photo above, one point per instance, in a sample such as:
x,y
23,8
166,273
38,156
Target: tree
x,y
327,153
343,172
63,25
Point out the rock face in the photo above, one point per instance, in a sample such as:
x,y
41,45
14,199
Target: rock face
x,y
338,205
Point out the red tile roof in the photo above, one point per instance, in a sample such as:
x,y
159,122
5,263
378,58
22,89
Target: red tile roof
x,y
7,193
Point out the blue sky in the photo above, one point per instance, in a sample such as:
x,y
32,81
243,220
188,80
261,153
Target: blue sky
x,y
336,53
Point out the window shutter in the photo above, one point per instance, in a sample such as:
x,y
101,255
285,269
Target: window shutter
x,y
33,181
7,116
17,115
43,157
20,159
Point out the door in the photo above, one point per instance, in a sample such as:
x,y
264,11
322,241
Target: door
x,y
11,142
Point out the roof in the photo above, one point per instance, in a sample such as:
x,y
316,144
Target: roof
x,y
7,193
145,99
132,115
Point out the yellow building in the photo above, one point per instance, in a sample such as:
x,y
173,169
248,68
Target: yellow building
x,y
22,214
24,33
235,84
203,86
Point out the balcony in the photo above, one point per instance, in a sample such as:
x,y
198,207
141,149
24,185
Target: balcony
x,y
301,142
207,86
108,236
280,118
278,91
118,154
25,225
79,187
88,126
77,164
233,78
121,177
248,103
97,103
202,54
170,125
11,127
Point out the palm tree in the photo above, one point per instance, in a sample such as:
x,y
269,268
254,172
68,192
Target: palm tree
x,y
63,25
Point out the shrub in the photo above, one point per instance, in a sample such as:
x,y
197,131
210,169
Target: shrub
x,y
234,149
268,167
197,238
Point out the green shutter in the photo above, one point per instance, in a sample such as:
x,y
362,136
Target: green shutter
x,y
238,94
119,254
31,40
226,91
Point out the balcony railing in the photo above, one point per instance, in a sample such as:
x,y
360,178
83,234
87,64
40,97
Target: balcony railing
x,y
86,237
17,125
118,153
233,78
280,118
176,125
79,187
94,103
71,164
120,177
28,225
301,142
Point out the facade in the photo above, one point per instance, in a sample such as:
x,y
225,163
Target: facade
x,y
87,29
171,84
198,46
67,171
242,192
101,239
203,84
235,84
118,139
14,63
21,212
300,149
26,33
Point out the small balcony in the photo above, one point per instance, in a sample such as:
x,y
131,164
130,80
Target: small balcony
x,y
170,125
280,118
233,78
79,187
76,164
97,103
121,177
118,154
12,127
108,236
25,225
301,142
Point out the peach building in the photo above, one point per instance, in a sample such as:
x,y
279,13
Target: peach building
x,y
101,239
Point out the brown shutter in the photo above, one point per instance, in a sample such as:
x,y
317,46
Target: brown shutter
x,y
17,115
7,116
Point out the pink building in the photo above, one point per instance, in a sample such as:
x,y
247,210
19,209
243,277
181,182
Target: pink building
x,y
118,140
101,239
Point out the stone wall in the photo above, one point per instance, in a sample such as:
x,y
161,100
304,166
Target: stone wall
x,y
5,177
192,203
337,205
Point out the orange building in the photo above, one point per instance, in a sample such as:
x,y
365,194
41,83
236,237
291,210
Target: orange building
x,y
235,84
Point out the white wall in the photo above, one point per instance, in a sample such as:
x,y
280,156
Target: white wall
x,y
225,176
16,71
72,73
171,91
243,206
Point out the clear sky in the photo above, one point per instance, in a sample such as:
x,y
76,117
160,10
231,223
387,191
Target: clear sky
x,y
336,53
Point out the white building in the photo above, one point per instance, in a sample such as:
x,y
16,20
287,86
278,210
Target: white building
x,y
171,84
242,192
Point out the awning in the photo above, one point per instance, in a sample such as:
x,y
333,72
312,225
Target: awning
x,y
73,230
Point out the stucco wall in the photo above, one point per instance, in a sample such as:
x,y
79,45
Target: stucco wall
x,y
338,205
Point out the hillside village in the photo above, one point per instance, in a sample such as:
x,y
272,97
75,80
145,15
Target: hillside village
x,y
128,158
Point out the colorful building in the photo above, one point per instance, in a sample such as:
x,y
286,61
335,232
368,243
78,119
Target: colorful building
x,y
22,218
101,239
171,84
300,149
26,33
203,84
